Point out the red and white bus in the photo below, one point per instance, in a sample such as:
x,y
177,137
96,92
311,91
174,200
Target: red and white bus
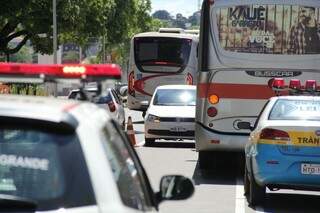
x,y
243,47
160,58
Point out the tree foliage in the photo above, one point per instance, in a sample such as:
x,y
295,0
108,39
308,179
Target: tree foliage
x,y
77,21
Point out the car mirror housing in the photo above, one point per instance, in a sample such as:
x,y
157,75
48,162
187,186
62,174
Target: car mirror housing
x,y
244,125
175,187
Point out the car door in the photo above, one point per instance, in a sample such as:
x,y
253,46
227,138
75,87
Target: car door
x,y
133,184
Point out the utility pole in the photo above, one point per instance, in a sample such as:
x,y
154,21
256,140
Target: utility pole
x,y
55,41
199,5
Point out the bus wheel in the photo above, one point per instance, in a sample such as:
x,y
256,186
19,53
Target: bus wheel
x,y
149,141
206,160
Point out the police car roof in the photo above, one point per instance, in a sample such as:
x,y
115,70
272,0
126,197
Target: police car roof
x,y
43,108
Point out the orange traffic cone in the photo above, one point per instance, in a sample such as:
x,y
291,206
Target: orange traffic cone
x,y
130,132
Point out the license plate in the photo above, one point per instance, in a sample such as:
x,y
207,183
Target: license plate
x,y
310,169
178,129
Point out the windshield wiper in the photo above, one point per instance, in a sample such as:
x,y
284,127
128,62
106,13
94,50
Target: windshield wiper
x,y
11,202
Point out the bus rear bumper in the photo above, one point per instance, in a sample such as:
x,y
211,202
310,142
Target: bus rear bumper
x,y
207,140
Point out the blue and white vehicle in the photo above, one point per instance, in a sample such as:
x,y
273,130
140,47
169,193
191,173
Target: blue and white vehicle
x,y
283,150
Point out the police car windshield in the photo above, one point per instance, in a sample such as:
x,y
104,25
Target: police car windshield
x,y
40,166
295,110
175,97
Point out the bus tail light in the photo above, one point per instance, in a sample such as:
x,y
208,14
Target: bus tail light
x,y
311,85
295,84
131,84
213,99
274,134
212,111
189,80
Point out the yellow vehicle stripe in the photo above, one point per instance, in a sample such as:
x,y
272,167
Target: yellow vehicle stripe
x,y
306,139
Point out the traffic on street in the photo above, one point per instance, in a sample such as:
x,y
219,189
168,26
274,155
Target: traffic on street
x,y
160,106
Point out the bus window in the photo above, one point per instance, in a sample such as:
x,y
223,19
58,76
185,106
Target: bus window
x,y
152,53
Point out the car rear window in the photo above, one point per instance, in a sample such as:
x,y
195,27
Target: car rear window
x,y
175,97
295,110
45,167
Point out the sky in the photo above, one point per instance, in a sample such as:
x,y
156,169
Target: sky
x,y
185,7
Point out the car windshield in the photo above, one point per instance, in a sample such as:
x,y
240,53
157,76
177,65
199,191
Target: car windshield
x,y
295,110
45,167
175,97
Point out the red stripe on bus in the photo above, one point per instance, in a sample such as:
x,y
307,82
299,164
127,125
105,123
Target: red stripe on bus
x,y
139,84
241,91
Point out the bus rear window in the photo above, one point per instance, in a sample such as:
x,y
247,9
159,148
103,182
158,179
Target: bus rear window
x,y
269,29
153,52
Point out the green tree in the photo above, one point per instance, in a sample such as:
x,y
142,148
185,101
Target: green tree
x,y
23,56
32,20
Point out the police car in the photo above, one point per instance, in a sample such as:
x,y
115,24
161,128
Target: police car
x,y
63,155
283,150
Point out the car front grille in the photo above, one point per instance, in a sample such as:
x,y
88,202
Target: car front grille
x,y
171,133
164,119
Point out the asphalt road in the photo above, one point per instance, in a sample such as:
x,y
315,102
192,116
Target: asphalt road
x,y
220,190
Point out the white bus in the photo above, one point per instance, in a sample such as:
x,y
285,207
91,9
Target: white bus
x,y
243,46
160,58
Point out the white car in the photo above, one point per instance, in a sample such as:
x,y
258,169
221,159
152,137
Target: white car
x,y
171,113
68,156
108,99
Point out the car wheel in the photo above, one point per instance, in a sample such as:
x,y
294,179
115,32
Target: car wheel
x,y
246,183
149,141
123,126
257,193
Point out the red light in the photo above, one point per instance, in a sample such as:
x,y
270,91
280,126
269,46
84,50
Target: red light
x,y
212,111
112,106
311,85
131,84
278,83
189,79
274,134
295,84
61,71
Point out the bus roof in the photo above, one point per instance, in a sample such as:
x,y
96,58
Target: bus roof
x,y
168,35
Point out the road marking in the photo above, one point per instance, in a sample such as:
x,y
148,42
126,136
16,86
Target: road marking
x,y
240,198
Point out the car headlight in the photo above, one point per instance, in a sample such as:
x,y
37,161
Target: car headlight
x,y
153,118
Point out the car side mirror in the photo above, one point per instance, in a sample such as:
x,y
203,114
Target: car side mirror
x,y
145,103
245,125
175,187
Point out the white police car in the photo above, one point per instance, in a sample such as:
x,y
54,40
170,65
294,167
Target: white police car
x,y
62,155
